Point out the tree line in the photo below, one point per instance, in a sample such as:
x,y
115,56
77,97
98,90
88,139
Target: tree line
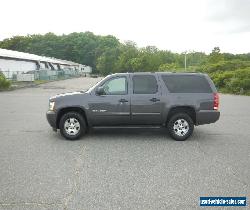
x,y
106,54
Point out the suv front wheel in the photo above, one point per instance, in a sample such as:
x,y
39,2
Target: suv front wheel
x,y
72,125
180,126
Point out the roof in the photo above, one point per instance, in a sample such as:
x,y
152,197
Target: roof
x,y
162,73
32,57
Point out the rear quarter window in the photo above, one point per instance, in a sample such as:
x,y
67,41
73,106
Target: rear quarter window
x,y
187,83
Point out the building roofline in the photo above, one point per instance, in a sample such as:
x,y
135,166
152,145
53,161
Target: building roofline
x,y
16,55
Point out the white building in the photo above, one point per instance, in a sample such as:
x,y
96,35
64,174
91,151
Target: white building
x,y
14,62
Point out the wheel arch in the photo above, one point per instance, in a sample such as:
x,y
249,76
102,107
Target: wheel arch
x,y
182,109
64,110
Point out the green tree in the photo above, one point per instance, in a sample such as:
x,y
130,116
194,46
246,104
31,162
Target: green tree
x,y
168,67
106,54
215,56
128,51
106,63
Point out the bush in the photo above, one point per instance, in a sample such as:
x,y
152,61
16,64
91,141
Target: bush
x,y
168,67
237,81
237,85
221,78
4,84
225,66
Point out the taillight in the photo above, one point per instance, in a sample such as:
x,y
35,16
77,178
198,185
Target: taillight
x,y
216,101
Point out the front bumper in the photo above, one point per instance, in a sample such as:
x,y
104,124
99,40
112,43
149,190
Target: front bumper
x,y
207,116
51,117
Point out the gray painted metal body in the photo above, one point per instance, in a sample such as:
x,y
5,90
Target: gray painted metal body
x,y
135,109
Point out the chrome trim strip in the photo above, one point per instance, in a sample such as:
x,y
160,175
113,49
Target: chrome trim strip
x,y
113,113
146,113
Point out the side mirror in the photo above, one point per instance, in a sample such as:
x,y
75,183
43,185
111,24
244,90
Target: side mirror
x,y
100,91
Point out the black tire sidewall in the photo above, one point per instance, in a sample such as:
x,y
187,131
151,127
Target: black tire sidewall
x,y
81,121
171,122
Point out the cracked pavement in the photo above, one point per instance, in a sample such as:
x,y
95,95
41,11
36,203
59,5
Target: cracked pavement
x,y
117,168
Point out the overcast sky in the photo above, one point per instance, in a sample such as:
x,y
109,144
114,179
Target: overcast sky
x,y
176,25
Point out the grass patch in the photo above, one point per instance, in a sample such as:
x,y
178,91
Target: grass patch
x,y
39,82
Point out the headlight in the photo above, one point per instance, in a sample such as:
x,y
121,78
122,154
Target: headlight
x,y
51,105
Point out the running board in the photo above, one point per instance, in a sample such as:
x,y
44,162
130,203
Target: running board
x,y
143,126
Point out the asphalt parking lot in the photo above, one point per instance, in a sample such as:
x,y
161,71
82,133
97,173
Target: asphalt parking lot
x,y
117,168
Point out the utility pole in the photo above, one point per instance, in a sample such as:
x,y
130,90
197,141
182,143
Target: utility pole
x,y
185,60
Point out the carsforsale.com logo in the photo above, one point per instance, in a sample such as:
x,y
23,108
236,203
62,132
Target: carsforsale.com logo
x,y
223,201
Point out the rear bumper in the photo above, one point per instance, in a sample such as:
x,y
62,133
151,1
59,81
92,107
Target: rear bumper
x,y
207,116
51,117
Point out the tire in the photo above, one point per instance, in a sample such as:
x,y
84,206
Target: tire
x,y
180,126
72,125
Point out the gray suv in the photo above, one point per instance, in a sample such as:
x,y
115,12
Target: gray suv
x,y
177,101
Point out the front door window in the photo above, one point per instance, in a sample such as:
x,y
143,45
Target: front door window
x,y
116,86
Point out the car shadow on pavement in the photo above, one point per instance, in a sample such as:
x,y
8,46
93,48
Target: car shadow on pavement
x,y
134,134
129,133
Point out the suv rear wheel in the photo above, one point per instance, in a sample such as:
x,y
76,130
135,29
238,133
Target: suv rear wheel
x,y
180,126
72,125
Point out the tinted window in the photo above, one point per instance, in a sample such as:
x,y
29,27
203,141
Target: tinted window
x,y
116,86
186,84
144,84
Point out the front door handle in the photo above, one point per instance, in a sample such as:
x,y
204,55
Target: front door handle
x,y
154,99
123,100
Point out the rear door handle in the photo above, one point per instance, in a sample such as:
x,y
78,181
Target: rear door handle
x,y
154,99
123,100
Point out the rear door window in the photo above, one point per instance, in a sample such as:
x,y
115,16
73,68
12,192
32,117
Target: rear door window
x,y
187,84
144,84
